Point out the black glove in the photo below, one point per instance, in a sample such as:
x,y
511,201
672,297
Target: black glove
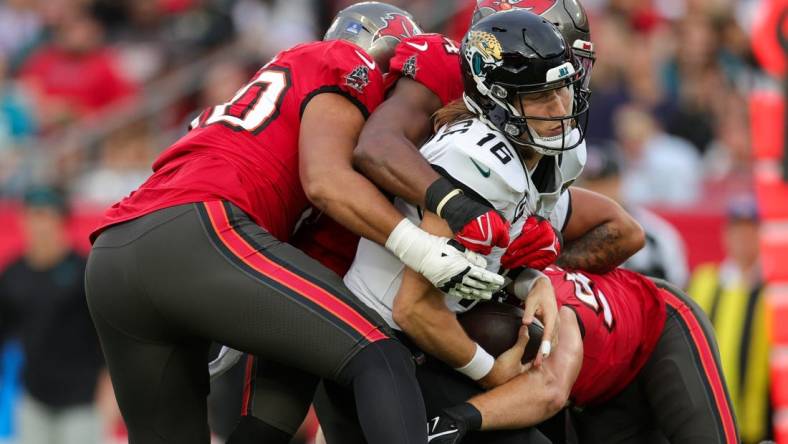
x,y
452,425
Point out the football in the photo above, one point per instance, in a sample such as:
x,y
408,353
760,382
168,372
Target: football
x,y
494,325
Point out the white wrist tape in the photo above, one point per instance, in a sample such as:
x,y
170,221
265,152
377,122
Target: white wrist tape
x,y
481,364
407,242
525,282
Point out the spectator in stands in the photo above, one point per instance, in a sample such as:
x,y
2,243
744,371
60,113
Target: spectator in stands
x,y
124,164
221,81
731,294
76,75
16,118
17,127
268,26
20,28
659,169
728,162
664,255
42,302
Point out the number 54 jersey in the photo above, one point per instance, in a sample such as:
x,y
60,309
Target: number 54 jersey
x,y
246,150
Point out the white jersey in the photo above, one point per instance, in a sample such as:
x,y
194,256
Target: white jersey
x,y
482,161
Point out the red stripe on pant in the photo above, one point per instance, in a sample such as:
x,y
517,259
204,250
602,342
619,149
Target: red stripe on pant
x,y
710,368
258,261
249,375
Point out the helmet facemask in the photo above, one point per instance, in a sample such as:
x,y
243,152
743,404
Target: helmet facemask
x,y
584,52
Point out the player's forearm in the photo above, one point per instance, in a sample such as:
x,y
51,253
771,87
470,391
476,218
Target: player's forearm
x,y
423,316
352,201
394,164
602,248
524,401
387,149
441,337
539,393
600,235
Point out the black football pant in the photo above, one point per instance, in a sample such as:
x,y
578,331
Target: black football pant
x,y
441,386
679,396
161,287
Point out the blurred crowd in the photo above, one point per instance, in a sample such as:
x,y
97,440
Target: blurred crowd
x,y
669,86
92,90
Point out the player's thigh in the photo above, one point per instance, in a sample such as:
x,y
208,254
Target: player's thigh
x,y
161,388
624,419
215,274
687,395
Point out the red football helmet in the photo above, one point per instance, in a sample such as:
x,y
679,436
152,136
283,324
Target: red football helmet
x,y
568,15
376,27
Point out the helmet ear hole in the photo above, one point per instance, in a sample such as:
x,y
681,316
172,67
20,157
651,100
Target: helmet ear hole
x,y
499,91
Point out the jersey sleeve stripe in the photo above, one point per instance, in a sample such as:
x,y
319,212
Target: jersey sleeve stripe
x,y
233,245
333,90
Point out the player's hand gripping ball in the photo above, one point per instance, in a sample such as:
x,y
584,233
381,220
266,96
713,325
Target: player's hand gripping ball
x,y
495,326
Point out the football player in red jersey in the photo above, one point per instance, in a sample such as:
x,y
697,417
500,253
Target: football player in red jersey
x,y
637,363
199,252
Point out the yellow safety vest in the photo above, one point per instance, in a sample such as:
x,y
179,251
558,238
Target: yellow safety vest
x,y
739,323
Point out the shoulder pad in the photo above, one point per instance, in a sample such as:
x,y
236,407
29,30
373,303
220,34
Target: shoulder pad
x,y
480,158
572,163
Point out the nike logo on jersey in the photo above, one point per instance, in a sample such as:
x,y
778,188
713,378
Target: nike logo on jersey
x,y
423,47
370,64
484,171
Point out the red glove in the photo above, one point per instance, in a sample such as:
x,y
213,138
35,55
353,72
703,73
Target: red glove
x,y
537,246
485,232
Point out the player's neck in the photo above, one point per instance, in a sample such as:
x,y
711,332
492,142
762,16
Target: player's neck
x,y
532,160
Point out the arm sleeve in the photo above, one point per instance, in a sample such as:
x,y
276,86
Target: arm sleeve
x,y
432,60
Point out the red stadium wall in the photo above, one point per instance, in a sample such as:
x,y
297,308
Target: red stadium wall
x,y
701,232
768,126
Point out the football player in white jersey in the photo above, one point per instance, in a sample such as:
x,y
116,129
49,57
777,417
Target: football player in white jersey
x,y
523,100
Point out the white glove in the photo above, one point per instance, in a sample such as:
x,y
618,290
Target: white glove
x,y
224,361
444,262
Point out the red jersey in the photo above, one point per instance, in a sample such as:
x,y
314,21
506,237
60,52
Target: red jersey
x,y
621,316
246,150
432,60
326,241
